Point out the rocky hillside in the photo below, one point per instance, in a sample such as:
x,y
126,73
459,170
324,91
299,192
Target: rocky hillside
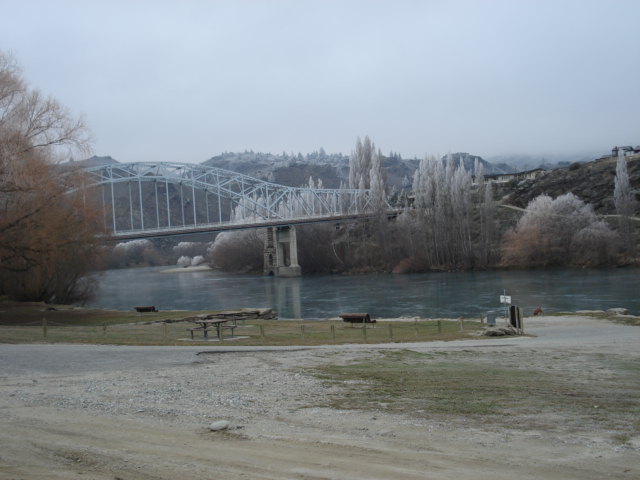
x,y
592,182
295,170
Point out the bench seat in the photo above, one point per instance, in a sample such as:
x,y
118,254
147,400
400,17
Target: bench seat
x,y
357,318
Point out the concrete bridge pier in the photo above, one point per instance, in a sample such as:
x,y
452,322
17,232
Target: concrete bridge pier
x,y
281,252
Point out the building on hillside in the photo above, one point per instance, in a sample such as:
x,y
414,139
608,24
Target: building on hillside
x,y
627,150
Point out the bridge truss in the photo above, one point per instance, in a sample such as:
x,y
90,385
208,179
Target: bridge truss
x,y
155,199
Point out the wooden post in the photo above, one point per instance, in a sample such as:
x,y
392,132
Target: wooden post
x,y
44,327
164,330
302,331
333,332
439,326
364,331
461,320
415,325
104,329
262,331
391,331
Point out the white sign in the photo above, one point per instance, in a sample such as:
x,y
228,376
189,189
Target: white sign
x,y
505,299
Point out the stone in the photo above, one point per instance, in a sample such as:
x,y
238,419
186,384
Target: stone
x,y
499,331
618,311
219,425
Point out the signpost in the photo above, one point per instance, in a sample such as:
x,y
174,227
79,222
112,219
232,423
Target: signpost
x,y
506,300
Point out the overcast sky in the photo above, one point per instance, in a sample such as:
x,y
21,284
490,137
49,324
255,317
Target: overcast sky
x,y
187,80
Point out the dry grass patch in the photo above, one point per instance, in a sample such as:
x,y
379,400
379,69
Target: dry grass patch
x,y
527,390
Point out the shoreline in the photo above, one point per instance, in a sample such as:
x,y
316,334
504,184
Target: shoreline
x,y
195,268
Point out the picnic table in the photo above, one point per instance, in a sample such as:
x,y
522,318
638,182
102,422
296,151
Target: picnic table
x,y
218,324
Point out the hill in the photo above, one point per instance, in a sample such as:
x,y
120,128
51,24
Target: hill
x,y
592,182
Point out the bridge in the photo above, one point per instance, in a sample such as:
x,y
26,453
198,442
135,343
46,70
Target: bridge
x,y
143,200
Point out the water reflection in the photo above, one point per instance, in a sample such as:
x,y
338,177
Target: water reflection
x,y
284,294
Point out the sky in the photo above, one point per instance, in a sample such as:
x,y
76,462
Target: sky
x,y
187,80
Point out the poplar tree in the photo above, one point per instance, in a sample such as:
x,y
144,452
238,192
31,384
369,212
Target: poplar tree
x,y
624,202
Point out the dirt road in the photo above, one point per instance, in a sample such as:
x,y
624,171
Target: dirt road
x,y
100,412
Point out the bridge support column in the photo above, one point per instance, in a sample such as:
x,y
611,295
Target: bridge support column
x,y
281,252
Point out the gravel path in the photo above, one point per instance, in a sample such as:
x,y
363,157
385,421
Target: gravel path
x,y
142,412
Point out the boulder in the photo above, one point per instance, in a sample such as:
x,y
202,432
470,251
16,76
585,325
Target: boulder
x,y
499,331
219,425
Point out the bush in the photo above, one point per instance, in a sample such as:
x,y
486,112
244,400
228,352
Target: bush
x,y
560,232
239,251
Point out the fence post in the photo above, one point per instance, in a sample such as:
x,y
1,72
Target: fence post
x,y
391,331
461,324
333,332
302,332
415,325
262,331
104,329
44,327
364,331
164,330
439,326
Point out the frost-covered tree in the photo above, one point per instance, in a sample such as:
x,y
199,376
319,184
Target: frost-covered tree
x,y
237,251
622,193
559,232
624,202
444,211
360,163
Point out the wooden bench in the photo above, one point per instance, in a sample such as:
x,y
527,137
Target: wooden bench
x,y
356,318
205,330
231,327
146,309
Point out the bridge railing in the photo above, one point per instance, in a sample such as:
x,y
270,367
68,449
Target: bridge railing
x,y
163,197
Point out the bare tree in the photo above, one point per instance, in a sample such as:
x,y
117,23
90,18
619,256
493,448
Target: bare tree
x,y
47,223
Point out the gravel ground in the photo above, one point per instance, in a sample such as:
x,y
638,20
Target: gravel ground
x,y
143,412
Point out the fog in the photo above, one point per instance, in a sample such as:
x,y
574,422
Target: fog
x,y
183,81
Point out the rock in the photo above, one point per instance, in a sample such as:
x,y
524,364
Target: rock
x,y
499,331
219,425
618,311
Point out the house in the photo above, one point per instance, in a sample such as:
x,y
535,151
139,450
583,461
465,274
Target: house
x,y
627,150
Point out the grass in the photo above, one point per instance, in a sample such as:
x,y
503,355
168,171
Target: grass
x,y
23,323
509,391
612,317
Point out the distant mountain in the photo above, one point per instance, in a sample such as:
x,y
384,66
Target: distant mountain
x,y
287,169
92,162
469,162
333,169
521,163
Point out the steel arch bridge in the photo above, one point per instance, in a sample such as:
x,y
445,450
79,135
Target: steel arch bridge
x,y
146,199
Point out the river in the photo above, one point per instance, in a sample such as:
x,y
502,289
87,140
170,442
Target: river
x,y
466,294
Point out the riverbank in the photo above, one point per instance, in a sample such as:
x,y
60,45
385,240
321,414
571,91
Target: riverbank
x,y
107,412
188,269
